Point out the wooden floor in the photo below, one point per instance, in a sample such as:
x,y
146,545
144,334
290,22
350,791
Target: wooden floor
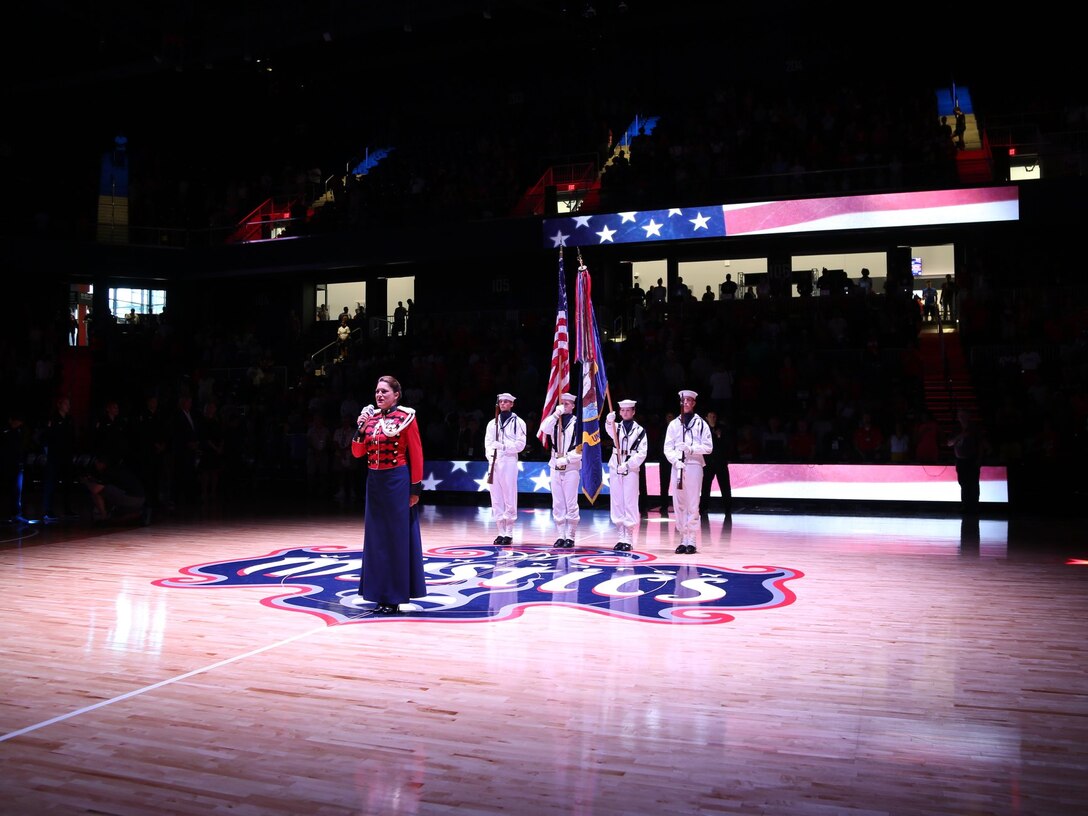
x,y
887,665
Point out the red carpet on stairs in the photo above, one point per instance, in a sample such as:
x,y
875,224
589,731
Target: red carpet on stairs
x,y
946,377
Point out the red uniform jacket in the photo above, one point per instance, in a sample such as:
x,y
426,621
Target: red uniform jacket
x,y
390,439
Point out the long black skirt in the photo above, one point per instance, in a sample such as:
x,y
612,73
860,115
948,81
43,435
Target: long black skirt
x,y
392,546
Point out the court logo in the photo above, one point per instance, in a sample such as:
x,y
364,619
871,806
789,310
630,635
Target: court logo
x,y
472,584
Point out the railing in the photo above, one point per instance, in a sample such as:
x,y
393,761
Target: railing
x,y
323,352
272,219
571,180
618,333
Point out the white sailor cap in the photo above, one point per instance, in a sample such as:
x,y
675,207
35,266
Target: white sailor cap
x,y
686,393
506,396
570,397
627,403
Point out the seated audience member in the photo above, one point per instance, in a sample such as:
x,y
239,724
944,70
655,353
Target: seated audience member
x,y
748,448
802,442
926,442
116,492
899,444
774,440
868,440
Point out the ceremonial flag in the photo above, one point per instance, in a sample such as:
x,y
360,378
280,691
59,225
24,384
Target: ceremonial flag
x,y
594,384
559,377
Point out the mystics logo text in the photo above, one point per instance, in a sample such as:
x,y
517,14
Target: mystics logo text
x,y
471,584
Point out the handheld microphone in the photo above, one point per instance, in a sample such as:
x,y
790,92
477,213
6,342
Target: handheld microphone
x,y
364,415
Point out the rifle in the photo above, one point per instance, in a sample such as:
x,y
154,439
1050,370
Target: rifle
x,y
495,451
557,437
619,442
683,458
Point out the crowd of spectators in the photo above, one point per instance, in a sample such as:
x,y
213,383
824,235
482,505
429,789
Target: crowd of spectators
x,y
814,379
465,159
811,379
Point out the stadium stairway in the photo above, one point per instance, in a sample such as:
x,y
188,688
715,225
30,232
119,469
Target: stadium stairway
x,y
974,163
946,379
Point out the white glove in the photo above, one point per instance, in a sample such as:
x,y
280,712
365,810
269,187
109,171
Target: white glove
x,y
561,462
679,465
611,418
559,410
686,450
574,458
622,470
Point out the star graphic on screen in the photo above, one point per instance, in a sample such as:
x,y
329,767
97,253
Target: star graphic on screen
x,y
431,483
582,221
541,480
456,466
699,221
481,484
628,216
653,228
559,239
606,234
675,211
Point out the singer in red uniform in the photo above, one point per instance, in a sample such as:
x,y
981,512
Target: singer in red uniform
x,y
388,438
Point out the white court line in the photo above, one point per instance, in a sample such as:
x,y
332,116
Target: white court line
x,y
145,689
25,532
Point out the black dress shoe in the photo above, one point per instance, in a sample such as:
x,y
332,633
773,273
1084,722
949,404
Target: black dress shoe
x,y
498,542
568,543
623,546
689,549
507,541
680,549
386,609
560,543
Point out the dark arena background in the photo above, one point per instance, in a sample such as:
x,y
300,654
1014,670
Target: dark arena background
x,y
842,232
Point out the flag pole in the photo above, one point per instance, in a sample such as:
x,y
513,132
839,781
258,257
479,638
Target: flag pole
x,y
559,369
582,265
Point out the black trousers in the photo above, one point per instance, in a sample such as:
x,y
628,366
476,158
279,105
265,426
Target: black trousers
x,y
719,468
967,474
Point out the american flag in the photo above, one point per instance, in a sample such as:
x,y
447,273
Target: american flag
x,y
884,210
594,386
559,378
